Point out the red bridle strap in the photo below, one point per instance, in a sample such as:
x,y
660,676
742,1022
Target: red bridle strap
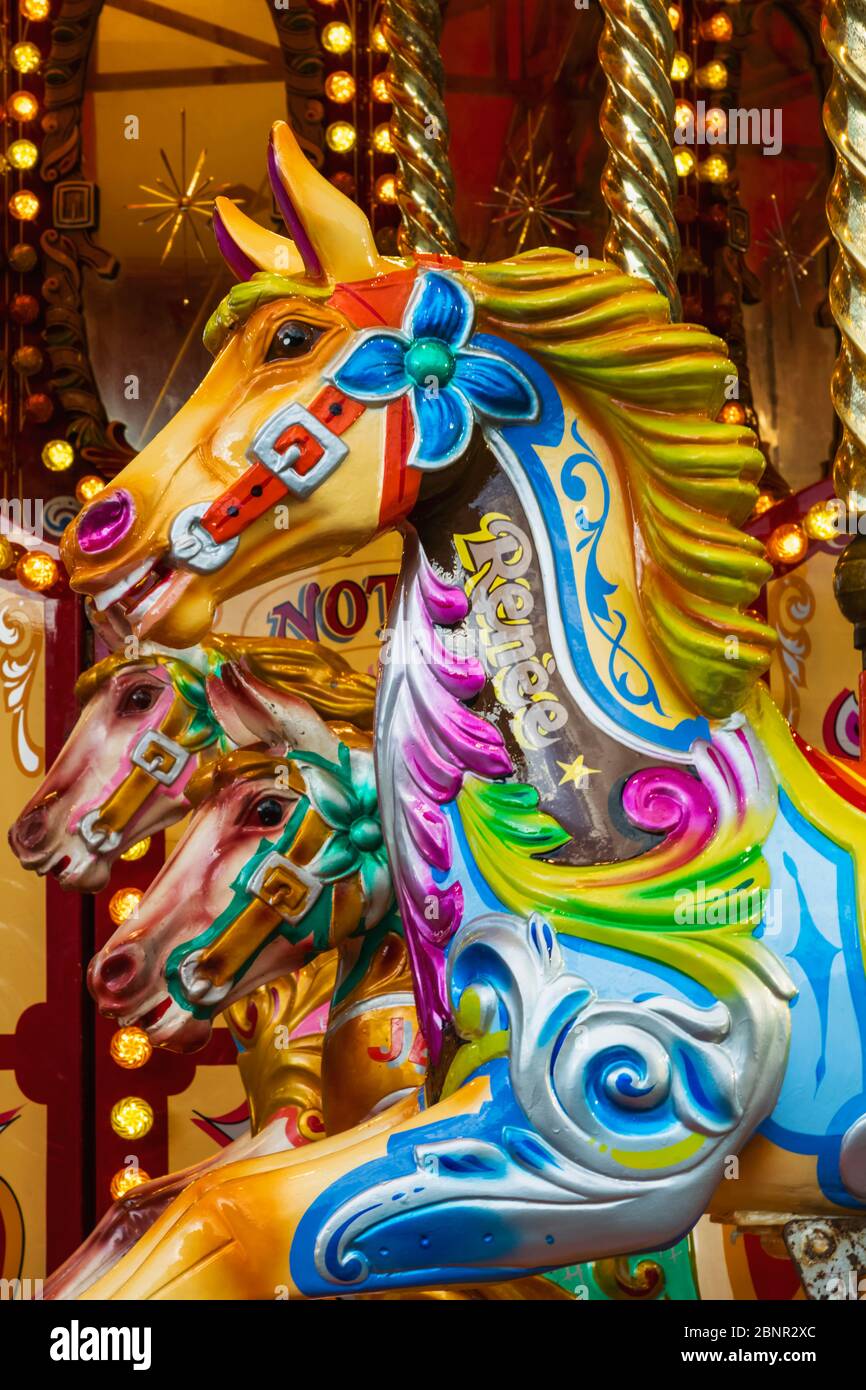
x,y
259,488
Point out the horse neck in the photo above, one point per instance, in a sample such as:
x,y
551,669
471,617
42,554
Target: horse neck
x,y
536,530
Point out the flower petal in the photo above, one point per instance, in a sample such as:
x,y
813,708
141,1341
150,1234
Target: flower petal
x,y
443,427
440,308
495,386
335,859
334,803
373,369
376,885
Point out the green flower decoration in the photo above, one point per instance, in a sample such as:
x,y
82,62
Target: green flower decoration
x,y
344,794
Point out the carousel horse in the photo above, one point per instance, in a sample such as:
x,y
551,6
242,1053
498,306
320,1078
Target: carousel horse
x,y
634,907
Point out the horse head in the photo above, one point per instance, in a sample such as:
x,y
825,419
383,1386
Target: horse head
x,y
283,859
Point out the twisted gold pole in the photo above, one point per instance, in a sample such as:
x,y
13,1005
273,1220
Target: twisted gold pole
x,y
419,126
639,182
843,30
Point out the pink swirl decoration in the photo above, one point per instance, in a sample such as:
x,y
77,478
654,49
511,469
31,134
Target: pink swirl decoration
x,y
668,801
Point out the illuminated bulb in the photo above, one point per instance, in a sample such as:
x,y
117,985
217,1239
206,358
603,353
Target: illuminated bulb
x,y
25,57
681,67
36,570
126,1179
7,554
787,544
24,205
22,154
86,489
821,521
341,136
140,848
765,500
386,189
340,86
675,16
382,139
684,161
714,170
733,413
130,1047
124,904
35,9
715,120
23,106
380,88
683,113
131,1118
719,27
713,75
58,455
337,37
380,43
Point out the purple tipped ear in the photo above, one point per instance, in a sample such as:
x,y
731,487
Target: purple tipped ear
x,y
289,214
237,261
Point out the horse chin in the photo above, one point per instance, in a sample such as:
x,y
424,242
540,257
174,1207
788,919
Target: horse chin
x,y
182,617
89,877
178,1031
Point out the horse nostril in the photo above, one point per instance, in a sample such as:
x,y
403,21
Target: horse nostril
x,y
105,522
30,830
115,972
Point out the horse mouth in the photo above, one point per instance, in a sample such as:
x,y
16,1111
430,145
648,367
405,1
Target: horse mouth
x,y
137,600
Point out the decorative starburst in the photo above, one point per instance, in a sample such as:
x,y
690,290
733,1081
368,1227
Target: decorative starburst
x,y
180,201
786,261
532,207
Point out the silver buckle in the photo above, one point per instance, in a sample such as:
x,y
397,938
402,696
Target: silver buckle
x,y
262,449
151,764
192,546
97,841
275,860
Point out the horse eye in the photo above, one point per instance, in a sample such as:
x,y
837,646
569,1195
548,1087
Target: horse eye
x,y
269,811
138,699
292,339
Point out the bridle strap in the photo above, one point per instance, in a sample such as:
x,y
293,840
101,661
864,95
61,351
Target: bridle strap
x,y
291,458
160,758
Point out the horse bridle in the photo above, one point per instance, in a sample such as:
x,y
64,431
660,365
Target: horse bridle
x,y
158,758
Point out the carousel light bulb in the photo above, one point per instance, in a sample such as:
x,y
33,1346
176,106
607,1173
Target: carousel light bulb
x,y
380,88
380,43
24,205
131,1118
23,106
684,162
788,544
683,113
58,455
713,75
714,170
732,414
337,37
382,139
715,119
124,904
130,1047
126,1179
386,189
25,57
37,571
340,86
681,67
22,154
675,16
821,522
719,26
763,503
341,137
86,489
140,848
36,10
7,554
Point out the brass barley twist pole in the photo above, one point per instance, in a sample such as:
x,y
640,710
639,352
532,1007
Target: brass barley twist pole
x,y
419,126
843,30
639,182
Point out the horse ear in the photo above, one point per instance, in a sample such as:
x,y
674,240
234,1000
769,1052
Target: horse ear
x,y
330,231
251,712
246,247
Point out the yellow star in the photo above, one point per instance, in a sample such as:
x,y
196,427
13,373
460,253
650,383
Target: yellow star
x,y
576,772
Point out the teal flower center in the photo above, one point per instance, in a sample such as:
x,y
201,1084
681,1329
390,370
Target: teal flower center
x,y
365,834
429,357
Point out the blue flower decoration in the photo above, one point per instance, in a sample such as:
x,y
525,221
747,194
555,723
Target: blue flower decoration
x,y
452,383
